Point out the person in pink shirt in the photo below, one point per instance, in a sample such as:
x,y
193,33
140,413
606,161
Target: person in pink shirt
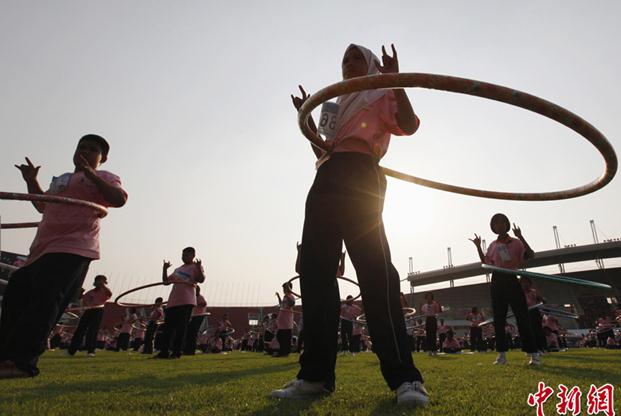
x,y
93,303
349,312
181,301
138,335
225,326
442,331
476,332
450,344
345,203
431,309
603,326
67,240
198,316
285,320
156,315
122,344
534,315
509,253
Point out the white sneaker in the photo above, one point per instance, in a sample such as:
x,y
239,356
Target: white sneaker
x,y
91,354
535,359
299,389
412,394
501,359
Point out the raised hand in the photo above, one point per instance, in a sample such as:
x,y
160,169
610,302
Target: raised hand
x,y
85,167
517,231
390,64
198,263
298,101
29,171
476,240
166,265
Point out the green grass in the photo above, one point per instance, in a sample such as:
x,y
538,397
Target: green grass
x,y
238,384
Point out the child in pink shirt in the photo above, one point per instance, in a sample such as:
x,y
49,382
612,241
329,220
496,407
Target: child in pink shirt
x,y
285,320
198,316
476,332
181,300
345,204
450,344
125,333
67,241
534,315
93,301
510,253
431,309
349,312
156,315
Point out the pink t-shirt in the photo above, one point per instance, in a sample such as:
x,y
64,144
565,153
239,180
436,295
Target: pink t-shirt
x,y
201,306
285,314
369,130
552,340
350,312
184,280
95,297
127,323
443,329
531,297
139,333
475,318
550,322
431,309
509,255
451,344
356,329
156,314
67,228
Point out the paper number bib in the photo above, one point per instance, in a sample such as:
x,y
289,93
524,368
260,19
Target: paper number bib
x,y
327,120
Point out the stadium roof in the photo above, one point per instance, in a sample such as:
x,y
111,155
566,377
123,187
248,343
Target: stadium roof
x,y
542,258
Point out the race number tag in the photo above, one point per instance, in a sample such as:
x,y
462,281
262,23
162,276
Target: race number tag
x,y
59,183
327,120
504,252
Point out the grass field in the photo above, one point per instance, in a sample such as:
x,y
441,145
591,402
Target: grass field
x,y
239,383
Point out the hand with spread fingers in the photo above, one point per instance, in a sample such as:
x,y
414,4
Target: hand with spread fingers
x,y
29,171
390,64
476,240
298,101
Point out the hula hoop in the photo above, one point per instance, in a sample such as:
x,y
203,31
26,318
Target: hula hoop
x,y
554,278
510,314
83,308
338,277
101,210
143,305
139,325
479,89
70,315
362,319
15,225
226,333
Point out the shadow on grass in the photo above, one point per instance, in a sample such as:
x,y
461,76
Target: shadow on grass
x,y
155,384
292,407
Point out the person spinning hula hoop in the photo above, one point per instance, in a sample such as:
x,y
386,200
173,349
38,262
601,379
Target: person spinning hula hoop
x,y
345,203
181,300
509,253
94,300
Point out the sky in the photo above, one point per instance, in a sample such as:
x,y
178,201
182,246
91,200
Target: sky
x,y
194,98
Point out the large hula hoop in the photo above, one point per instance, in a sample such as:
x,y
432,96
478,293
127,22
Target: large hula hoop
x,y
479,89
407,313
552,277
143,305
338,277
52,199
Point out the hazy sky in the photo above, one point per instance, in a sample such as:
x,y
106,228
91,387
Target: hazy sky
x,y
194,99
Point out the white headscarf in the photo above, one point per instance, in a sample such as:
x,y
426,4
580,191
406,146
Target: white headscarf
x,y
350,104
